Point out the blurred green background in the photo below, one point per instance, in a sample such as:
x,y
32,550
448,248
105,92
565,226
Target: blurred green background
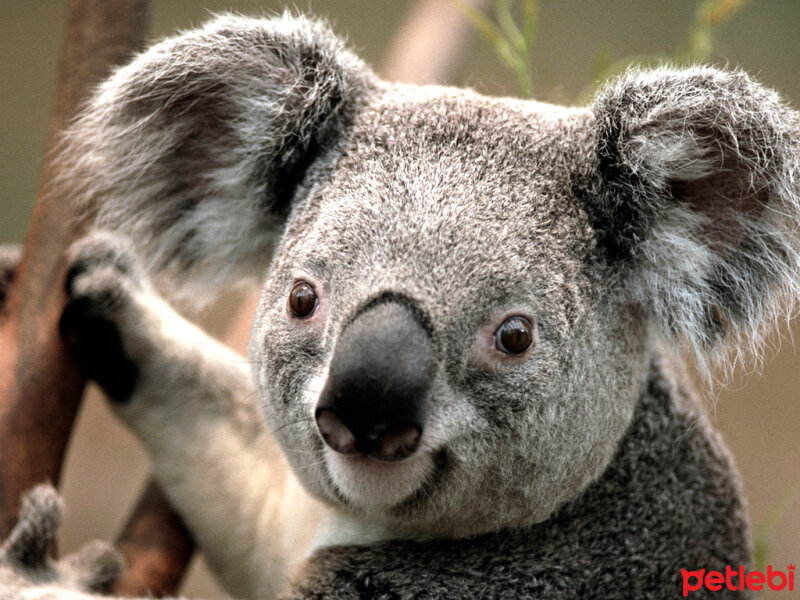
x,y
760,418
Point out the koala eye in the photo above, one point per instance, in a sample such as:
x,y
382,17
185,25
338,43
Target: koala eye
x,y
302,300
514,336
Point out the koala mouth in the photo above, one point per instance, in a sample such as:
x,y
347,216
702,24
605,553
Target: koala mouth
x,y
367,483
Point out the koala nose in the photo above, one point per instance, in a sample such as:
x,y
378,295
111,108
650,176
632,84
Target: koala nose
x,y
373,402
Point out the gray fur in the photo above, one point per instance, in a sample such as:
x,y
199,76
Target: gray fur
x,y
600,546
202,132
25,556
488,237
666,211
702,166
39,517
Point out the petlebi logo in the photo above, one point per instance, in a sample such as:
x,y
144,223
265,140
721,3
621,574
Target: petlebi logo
x,y
738,580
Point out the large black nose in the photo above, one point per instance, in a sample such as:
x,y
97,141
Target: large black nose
x,y
374,400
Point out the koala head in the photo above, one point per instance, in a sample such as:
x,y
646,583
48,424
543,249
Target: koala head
x,y
461,294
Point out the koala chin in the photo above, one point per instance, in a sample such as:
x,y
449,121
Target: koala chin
x,y
462,378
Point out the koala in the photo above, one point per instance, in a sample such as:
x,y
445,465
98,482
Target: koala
x,y
465,376
26,555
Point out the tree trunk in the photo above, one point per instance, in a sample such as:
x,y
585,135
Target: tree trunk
x,y
40,387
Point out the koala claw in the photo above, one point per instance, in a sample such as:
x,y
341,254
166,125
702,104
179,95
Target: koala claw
x,y
101,280
25,556
96,260
95,567
29,542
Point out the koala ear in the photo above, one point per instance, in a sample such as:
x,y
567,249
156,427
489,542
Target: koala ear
x,y
197,148
696,202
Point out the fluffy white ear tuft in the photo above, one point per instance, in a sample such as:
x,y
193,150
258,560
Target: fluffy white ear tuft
x,y
198,147
697,202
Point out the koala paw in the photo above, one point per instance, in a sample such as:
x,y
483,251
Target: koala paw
x,y
102,281
10,255
25,559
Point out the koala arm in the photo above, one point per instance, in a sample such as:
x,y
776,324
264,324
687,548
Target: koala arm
x,y
191,402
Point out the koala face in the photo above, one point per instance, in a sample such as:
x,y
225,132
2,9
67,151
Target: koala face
x,y
467,292
400,234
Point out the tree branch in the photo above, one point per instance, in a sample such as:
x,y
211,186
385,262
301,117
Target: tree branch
x,y
40,387
156,545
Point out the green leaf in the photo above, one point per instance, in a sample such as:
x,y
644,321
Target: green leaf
x,y
509,42
766,529
698,45
502,11
530,16
603,59
490,31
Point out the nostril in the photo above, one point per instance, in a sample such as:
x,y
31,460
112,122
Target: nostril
x,y
389,446
335,433
397,443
